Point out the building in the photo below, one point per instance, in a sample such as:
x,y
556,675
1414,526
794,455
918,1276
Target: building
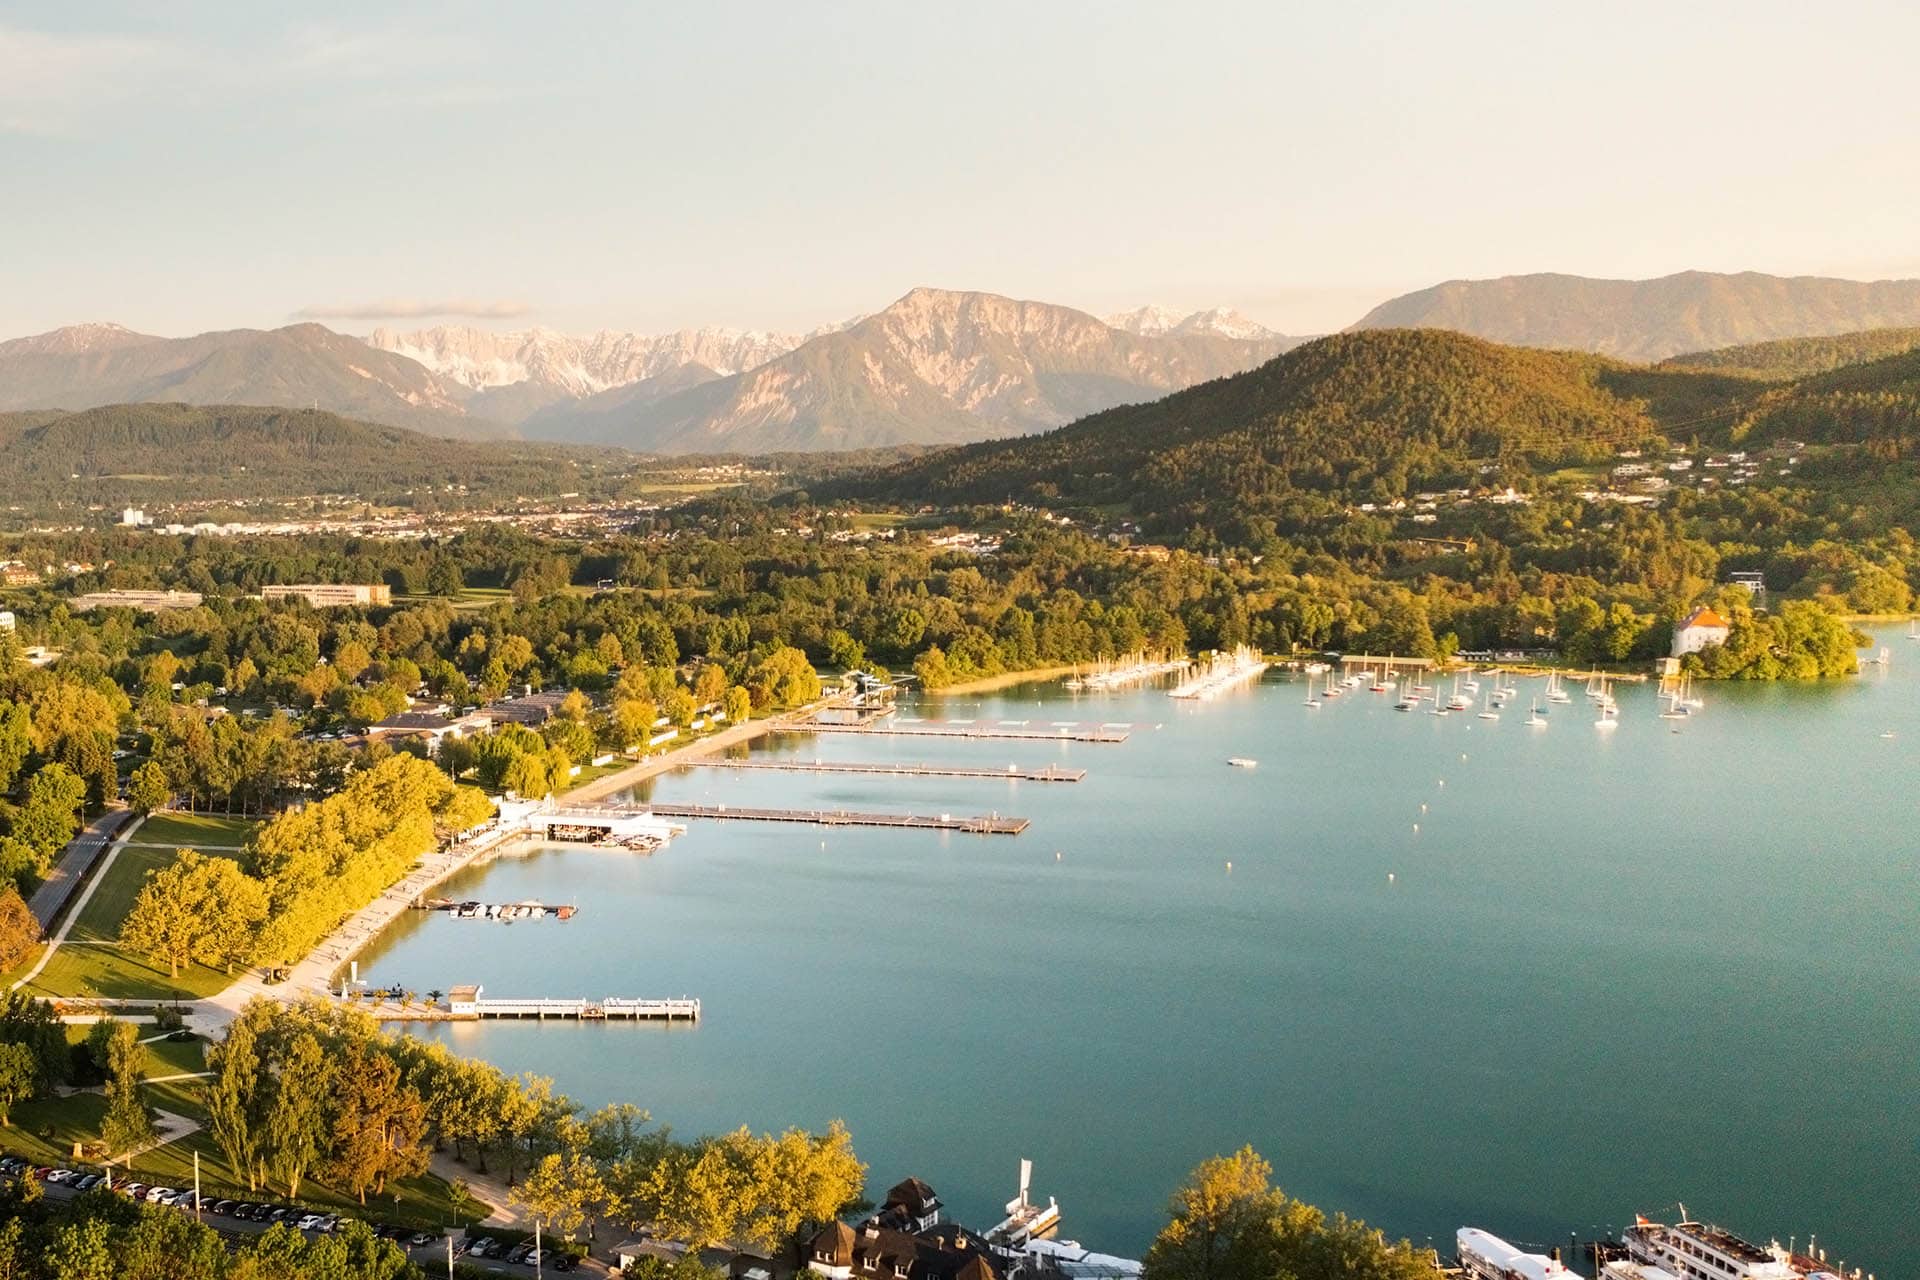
x,y
331,595
1693,1251
1699,629
1754,581
18,575
532,709
428,726
874,1252
133,517
910,1206
7,621
144,601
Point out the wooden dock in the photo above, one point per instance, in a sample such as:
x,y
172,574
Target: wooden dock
x,y
1058,731
1049,773
989,825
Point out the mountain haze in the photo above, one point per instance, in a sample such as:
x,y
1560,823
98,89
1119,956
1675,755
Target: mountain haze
x,y
304,365
1651,319
936,367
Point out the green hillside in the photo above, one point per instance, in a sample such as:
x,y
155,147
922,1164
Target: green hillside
x,y
150,452
1366,416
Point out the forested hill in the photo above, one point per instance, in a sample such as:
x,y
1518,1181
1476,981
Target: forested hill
x,y
145,452
1876,404
1798,357
1354,417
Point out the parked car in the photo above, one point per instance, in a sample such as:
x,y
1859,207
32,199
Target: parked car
x,y
498,1249
564,1262
307,1222
421,1238
282,1215
222,1207
263,1213
59,1175
330,1223
134,1190
478,1248
154,1194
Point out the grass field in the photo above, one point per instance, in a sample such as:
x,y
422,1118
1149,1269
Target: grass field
x,y
196,831
93,969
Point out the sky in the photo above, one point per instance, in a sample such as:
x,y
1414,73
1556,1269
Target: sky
x,y
654,166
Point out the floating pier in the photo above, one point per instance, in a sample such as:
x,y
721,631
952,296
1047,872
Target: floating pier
x,y
990,825
1049,773
1057,731
467,1002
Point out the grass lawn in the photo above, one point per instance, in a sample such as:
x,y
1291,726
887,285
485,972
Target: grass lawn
x,y
173,1057
196,831
94,970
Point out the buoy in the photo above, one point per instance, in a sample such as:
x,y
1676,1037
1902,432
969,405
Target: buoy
x,y
1229,865
1463,755
1443,782
1423,808
1389,877
1416,828
1056,855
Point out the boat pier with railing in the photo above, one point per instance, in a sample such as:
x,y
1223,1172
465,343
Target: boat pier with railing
x,y
467,1003
1020,773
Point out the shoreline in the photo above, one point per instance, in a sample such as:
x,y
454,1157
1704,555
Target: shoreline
x,y
653,766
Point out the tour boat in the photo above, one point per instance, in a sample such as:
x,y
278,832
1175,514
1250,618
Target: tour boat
x,y
1026,1220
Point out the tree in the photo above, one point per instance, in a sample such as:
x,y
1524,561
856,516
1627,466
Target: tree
x,y
128,1123
148,788
237,1097
16,741
19,931
168,916
1227,1222
17,1072
299,1125
379,1122
738,705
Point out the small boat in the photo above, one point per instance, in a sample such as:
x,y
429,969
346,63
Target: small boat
x,y
1887,734
1534,719
1489,715
1243,762
1406,704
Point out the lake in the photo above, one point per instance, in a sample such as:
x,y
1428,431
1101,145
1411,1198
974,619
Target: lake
x,y
1458,971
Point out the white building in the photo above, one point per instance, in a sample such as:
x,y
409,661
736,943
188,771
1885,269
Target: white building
x,y
133,517
7,622
1699,629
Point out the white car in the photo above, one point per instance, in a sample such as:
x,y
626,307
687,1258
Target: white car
x,y
154,1194
307,1222
59,1175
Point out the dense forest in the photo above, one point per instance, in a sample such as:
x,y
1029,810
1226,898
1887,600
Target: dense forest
x,y
1788,358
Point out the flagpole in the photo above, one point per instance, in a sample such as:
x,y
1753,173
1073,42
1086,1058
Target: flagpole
x,y
196,1186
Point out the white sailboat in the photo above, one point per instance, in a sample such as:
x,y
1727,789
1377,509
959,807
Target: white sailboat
x,y
1554,692
1534,719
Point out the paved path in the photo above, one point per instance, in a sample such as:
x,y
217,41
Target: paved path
x,y
71,869
80,904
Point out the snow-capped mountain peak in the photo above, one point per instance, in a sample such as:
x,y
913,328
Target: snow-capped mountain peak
x,y
77,339
577,364
1216,322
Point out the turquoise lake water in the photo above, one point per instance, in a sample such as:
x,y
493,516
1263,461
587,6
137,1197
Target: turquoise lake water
x,y
1607,973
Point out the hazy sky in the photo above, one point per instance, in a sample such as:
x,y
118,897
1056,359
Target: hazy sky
x,y
180,167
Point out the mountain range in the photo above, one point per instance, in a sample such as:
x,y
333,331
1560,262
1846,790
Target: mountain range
x,y
935,367
1651,319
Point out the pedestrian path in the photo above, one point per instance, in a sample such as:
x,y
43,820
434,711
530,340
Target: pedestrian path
x,y
80,904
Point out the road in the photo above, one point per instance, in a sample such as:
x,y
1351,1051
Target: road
x,y
75,861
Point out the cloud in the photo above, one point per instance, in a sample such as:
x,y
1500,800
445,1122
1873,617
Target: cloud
x,y
48,78
416,309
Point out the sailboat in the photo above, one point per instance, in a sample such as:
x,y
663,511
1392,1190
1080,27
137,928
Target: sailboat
x,y
1554,692
1534,719
1913,629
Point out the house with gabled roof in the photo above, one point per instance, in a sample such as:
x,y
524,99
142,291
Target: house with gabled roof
x,y
1699,629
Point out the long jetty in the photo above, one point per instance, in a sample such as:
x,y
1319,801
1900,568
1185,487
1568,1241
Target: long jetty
x,y
989,825
1048,773
1059,731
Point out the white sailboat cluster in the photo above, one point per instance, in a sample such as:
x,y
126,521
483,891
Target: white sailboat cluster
x,y
1136,668
1220,672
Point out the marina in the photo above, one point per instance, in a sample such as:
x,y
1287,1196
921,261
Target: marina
x,y
1219,673
1539,899
1045,773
